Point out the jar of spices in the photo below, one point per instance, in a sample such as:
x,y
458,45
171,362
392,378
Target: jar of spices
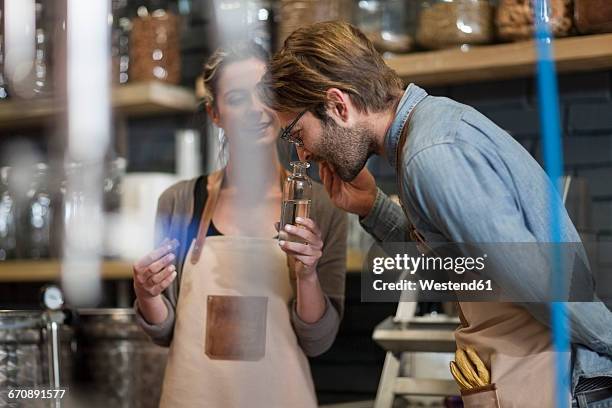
x,y
515,19
593,16
155,44
452,23
293,14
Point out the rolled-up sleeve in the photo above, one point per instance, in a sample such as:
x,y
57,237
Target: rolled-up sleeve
x,y
160,334
316,338
386,222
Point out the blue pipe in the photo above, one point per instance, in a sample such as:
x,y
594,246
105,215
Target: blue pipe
x,y
548,99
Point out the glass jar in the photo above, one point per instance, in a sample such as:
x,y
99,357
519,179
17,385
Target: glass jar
x,y
390,25
38,216
34,80
8,218
112,185
252,19
368,18
451,23
293,14
297,198
515,19
120,41
155,44
593,16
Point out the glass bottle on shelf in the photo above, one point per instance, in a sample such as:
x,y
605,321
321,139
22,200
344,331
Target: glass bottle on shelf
x,y
452,23
8,218
37,217
112,185
155,44
297,197
43,54
260,26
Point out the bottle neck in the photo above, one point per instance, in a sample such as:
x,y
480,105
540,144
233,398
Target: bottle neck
x,y
299,169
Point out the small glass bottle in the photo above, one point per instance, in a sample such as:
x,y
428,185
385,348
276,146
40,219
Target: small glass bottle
x,y
8,218
37,220
297,197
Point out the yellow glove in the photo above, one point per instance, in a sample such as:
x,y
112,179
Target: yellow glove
x,y
468,369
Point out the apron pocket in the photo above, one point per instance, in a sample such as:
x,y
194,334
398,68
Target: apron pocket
x,y
481,397
236,327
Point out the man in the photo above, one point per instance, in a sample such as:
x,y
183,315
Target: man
x,y
461,179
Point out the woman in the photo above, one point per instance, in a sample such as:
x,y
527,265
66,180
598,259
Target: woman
x,y
239,309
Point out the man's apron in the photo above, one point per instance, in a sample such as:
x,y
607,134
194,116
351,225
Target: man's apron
x,y
233,343
516,348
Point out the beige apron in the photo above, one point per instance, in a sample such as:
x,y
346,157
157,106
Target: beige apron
x,y
516,348
233,343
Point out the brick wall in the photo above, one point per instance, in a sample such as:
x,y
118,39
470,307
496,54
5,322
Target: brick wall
x,y
586,114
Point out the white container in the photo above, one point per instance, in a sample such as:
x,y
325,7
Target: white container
x,y
131,234
188,154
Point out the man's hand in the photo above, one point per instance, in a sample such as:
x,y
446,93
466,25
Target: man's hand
x,y
356,196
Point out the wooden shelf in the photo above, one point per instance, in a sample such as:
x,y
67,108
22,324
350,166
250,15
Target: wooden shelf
x,y
44,271
502,61
137,99
49,270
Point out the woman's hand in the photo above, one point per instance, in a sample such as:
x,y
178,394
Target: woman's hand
x,y
356,196
307,253
154,272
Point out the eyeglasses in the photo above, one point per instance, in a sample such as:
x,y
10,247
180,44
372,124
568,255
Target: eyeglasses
x,y
285,133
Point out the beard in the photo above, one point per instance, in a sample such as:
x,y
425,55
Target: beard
x,y
346,149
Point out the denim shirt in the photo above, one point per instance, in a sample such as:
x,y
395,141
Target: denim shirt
x,y
465,179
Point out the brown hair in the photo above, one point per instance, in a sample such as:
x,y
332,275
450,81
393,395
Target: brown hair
x,y
328,55
223,56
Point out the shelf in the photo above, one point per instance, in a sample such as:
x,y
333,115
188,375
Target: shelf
x,y
44,271
137,99
502,61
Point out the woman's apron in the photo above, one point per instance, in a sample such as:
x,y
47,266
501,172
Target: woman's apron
x,y
516,348
233,343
